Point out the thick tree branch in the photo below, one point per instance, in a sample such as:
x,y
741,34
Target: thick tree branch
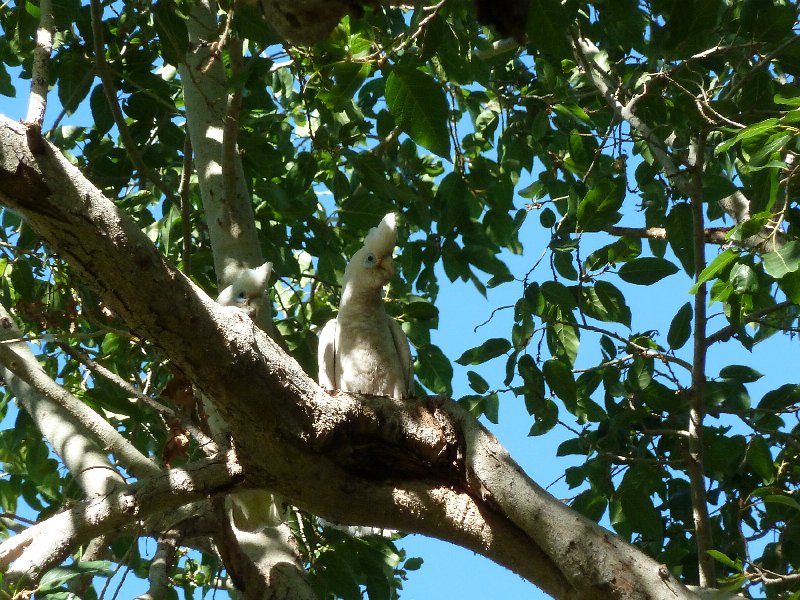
x,y
51,541
231,225
416,465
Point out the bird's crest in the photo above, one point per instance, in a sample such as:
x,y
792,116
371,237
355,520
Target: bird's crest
x,y
381,239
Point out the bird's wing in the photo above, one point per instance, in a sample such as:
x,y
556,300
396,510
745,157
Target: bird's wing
x,y
404,354
326,356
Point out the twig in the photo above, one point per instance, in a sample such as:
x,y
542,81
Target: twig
x,y
640,350
53,337
584,50
208,445
760,65
712,235
423,24
728,331
16,517
694,464
216,48
183,194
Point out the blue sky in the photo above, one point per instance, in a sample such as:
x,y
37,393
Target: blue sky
x,y
453,572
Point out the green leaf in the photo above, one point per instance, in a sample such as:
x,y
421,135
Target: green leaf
x,y
558,294
647,270
599,207
172,31
680,236
640,373
782,261
563,340
590,504
58,576
760,460
722,558
605,302
101,111
784,500
743,279
420,309
760,128
642,516
6,87
533,378
434,370
560,379
623,250
681,327
714,268
546,29
491,348
546,418
478,384
420,108
741,373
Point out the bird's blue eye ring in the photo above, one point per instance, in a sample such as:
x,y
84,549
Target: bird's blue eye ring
x,y
241,296
369,260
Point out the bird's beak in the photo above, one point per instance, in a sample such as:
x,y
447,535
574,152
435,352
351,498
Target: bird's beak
x,y
387,264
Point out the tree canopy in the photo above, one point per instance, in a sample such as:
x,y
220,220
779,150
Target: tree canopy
x,y
643,140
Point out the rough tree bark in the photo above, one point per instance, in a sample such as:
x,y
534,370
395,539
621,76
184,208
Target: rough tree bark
x,y
421,466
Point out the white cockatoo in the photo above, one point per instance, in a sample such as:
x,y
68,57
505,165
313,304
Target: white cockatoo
x,y
248,291
364,350
251,509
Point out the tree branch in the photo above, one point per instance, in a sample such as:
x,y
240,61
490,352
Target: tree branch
x,y
186,206
231,224
40,82
45,394
694,464
724,334
712,235
163,559
51,541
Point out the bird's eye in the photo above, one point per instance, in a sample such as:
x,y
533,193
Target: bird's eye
x,y
241,296
369,260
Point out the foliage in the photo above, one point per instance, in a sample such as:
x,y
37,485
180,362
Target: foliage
x,y
416,111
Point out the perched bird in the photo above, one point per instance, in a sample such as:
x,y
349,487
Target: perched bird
x,y
250,509
248,291
364,350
